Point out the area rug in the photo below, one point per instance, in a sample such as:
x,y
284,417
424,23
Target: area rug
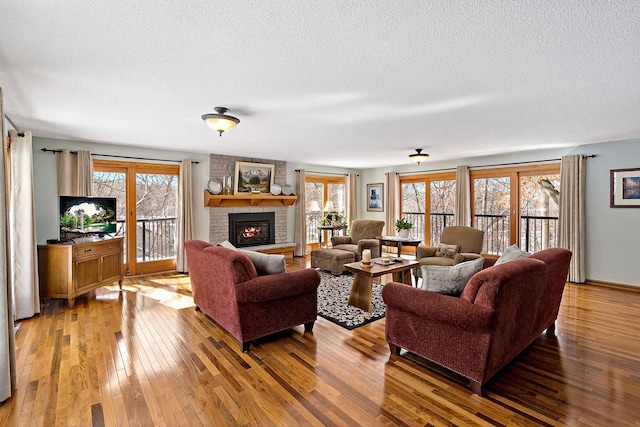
x,y
333,295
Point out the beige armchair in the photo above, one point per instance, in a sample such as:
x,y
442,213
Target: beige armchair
x,y
469,241
364,233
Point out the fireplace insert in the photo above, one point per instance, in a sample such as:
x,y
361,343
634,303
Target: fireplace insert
x,y
252,229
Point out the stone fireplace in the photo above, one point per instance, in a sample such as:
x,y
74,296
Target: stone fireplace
x,y
220,166
252,229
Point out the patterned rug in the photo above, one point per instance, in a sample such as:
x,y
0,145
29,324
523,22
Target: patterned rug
x,y
333,295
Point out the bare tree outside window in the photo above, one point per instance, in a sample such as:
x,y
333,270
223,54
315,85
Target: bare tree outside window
x,y
491,212
442,209
336,193
156,210
318,191
314,198
539,210
113,184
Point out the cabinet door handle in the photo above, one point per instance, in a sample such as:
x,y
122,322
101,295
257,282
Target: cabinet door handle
x,y
86,251
111,246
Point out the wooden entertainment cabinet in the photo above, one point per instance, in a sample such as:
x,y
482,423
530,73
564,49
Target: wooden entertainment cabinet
x,y
70,269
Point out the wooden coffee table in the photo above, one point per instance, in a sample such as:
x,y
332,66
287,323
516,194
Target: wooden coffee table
x,y
363,278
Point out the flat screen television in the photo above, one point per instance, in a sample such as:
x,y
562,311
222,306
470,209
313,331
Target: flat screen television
x,y
83,216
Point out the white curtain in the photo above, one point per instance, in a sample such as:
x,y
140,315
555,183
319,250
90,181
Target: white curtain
x,y
301,220
352,197
185,217
463,197
7,334
571,224
75,173
22,231
393,207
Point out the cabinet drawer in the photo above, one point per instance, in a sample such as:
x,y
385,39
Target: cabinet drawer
x,y
96,249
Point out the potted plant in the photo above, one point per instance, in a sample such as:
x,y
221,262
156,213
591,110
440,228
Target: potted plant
x,y
403,226
333,218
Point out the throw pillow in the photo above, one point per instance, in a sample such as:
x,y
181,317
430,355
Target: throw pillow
x,y
449,280
227,244
511,253
447,251
266,264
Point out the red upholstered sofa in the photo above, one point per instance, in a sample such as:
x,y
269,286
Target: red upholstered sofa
x,y
501,311
227,288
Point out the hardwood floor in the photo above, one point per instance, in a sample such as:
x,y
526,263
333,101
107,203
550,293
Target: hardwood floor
x,y
144,356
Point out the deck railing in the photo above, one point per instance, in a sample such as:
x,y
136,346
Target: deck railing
x,y
537,232
156,238
313,221
496,232
437,221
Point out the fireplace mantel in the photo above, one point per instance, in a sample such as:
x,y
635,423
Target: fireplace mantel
x,y
233,200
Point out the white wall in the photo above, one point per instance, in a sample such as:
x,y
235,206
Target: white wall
x,y
45,181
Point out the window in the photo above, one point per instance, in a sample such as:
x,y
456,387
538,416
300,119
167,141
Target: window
x,y
539,211
491,207
516,206
440,200
322,192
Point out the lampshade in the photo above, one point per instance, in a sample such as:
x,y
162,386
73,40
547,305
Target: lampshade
x,y
328,207
314,206
220,122
418,156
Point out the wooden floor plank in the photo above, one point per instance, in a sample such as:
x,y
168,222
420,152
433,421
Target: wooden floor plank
x,y
122,358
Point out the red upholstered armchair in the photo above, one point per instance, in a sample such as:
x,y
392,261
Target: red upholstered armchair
x,y
227,288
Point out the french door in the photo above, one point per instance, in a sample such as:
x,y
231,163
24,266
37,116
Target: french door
x,y
147,200
517,205
427,202
324,195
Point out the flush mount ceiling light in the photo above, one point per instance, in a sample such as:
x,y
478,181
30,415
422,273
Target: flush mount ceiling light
x,y
220,122
418,156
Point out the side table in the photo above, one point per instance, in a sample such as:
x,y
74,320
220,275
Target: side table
x,y
399,242
333,229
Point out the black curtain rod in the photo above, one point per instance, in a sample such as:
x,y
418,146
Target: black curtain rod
x,y
46,150
325,173
590,156
13,125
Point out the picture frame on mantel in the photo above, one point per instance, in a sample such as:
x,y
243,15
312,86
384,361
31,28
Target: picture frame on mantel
x,y
253,178
625,188
375,197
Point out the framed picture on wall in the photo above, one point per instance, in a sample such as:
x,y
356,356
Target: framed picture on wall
x,y
375,197
253,177
625,188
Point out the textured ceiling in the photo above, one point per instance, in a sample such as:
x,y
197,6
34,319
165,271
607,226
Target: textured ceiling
x,y
336,82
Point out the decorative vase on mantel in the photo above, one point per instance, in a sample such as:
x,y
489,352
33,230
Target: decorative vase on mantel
x,y
403,233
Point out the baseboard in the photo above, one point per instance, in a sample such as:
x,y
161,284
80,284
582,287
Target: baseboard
x,y
612,285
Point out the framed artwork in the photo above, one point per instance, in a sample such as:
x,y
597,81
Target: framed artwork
x,y
375,201
253,178
625,188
